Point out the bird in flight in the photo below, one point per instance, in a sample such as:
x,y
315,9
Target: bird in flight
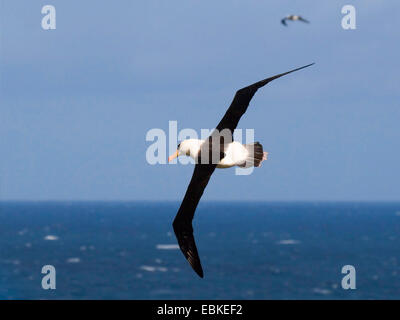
x,y
293,17
217,151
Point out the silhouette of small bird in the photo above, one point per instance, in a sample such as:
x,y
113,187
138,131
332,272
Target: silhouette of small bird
x,y
293,18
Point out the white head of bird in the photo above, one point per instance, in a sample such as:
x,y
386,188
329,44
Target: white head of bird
x,y
189,147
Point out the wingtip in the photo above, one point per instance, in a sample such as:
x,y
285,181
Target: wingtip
x,y
184,234
265,81
297,69
198,269
308,65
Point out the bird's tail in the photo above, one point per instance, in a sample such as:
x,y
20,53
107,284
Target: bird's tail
x,y
256,155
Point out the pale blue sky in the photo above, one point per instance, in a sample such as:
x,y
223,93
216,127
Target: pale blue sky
x,y
77,102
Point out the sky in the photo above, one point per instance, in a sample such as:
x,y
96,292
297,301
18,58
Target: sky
x,y
77,102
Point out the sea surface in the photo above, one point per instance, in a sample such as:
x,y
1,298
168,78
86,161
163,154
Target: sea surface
x,y
249,250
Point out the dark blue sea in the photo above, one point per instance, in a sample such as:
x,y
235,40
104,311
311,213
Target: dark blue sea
x,y
249,250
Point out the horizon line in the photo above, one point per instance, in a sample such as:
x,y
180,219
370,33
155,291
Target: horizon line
x,y
176,200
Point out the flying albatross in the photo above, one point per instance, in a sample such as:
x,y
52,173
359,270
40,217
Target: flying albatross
x,y
224,153
293,17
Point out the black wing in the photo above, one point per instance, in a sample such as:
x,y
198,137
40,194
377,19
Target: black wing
x,y
304,20
183,221
283,21
242,99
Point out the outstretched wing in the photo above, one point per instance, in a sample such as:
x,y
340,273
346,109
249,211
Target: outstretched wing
x,y
283,21
304,20
242,99
183,221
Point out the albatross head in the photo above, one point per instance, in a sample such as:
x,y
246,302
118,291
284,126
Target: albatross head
x,y
189,147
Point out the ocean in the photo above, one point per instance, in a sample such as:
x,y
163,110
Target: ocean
x,y
249,250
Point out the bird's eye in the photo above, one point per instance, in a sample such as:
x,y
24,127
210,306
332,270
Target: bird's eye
x,y
179,145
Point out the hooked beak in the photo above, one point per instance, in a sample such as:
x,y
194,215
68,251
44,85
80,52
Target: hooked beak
x,y
172,157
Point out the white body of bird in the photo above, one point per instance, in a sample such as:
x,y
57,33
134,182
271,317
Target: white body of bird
x,y
236,153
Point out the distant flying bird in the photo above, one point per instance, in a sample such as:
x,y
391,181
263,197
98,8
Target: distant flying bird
x,y
217,151
293,18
